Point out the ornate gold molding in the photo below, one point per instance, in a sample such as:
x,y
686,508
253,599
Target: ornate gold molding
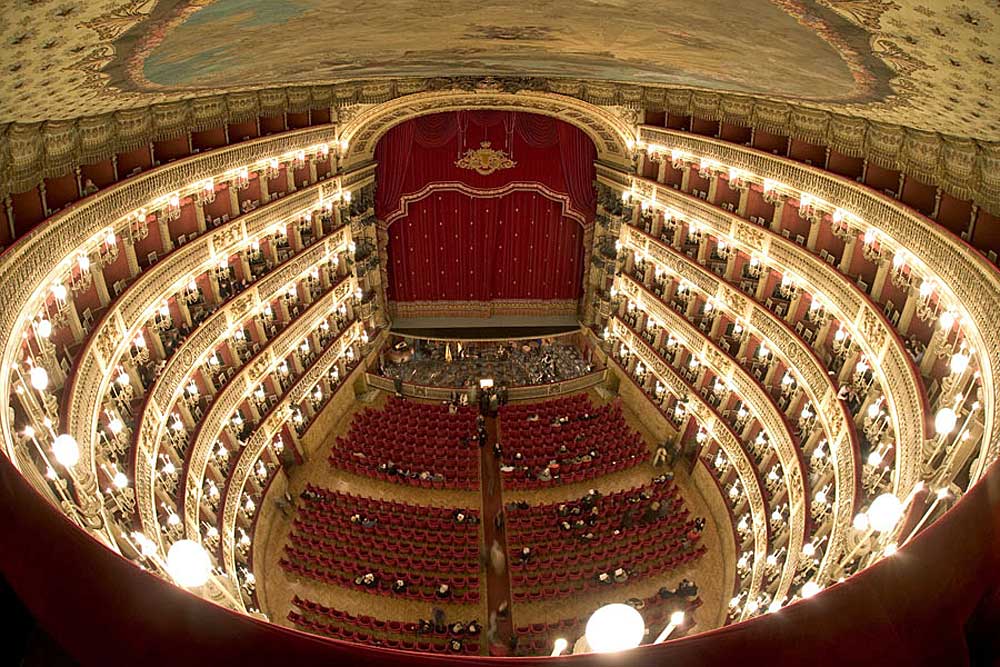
x,y
963,167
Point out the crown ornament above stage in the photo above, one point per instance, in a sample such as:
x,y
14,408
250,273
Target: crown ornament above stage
x,y
485,160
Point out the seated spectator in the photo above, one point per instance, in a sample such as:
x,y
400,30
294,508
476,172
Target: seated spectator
x,y
455,646
699,523
603,578
459,516
399,586
472,629
686,589
620,575
457,628
443,591
425,627
525,554
368,580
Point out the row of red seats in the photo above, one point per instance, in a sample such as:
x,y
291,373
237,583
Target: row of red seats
x,y
363,621
542,530
591,471
314,570
555,407
417,438
601,551
364,504
648,554
587,585
331,630
353,560
386,521
654,490
466,482
445,562
427,544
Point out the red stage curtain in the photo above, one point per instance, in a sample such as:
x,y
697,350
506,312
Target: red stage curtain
x,y
455,247
394,160
418,152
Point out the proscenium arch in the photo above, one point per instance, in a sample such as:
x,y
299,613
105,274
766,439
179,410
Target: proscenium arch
x,y
613,136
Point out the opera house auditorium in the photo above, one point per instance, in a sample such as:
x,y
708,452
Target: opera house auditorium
x,y
453,333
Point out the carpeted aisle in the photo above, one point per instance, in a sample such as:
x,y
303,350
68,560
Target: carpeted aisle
x,y
497,583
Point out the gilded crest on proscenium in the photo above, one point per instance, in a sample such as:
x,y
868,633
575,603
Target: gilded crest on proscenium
x,y
485,160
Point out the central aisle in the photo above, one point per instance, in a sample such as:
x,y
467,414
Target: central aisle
x,y
497,582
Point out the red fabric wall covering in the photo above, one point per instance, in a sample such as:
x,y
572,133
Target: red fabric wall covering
x,y
323,168
130,160
302,177
851,167
808,153
455,247
116,270
279,183
986,234
882,179
187,223
61,192
272,124
320,116
152,243
738,134
251,192
708,128
6,233
101,174
772,143
171,149
678,122
297,120
673,176
725,194
698,181
28,210
918,195
650,169
220,205
954,214
791,221
242,131
208,139
657,118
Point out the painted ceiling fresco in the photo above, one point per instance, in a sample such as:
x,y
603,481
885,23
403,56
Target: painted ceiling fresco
x,y
907,62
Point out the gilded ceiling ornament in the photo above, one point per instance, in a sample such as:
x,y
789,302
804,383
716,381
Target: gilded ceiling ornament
x,y
485,160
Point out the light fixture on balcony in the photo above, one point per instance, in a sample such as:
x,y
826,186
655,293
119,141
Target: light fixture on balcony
x,y
172,207
872,247
723,250
272,169
298,160
191,293
788,288
138,226
107,251
928,304
206,195
843,225
241,178
80,277
901,275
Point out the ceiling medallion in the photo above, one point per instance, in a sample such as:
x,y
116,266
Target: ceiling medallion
x,y
485,160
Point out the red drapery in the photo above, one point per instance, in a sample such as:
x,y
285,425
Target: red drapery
x,y
456,247
454,237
